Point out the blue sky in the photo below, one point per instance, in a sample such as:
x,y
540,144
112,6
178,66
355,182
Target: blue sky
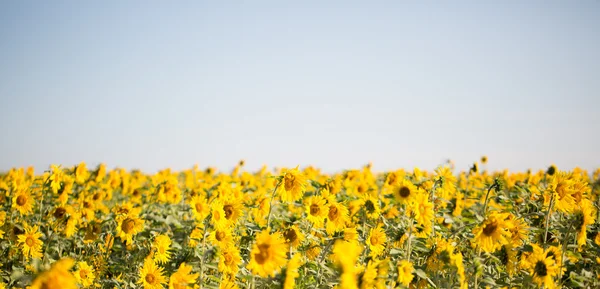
x,y
336,84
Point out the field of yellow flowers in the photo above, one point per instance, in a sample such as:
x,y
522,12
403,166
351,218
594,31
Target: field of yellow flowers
x,y
74,227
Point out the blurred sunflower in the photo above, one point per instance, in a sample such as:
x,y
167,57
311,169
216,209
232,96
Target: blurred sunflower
x,y
58,277
200,208
229,260
129,226
293,185
405,272
23,202
293,236
268,254
182,278
376,241
404,191
291,272
316,210
337,216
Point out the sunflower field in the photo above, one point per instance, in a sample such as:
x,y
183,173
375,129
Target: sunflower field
x,y
74,227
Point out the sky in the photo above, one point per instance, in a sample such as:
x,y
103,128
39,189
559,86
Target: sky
x,y
334,84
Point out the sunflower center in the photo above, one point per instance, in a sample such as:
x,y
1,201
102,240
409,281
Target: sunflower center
x,y
198,207
228,211
83,274
263,255
404,192
161,249
228,259
128,225
362,188
540,269
314,209
150,278
374,240
490,228
289,182
333,213
59,212
29,241
21,200
220,235
290,235
370,206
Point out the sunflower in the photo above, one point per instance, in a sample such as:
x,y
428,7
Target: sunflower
x,y
84,274
585,215
493,233
371,206
221,238
268,254
182,278
58,277
293,185
129,226
291,272
218,215
345,255
561,186
293,236
162,245
376,241
232,207
422,209
507,255
151,276
404,191
200,208
229,260
196,236
23,202
543,268
368,276
56,178
337,216
316,210
518,230
405,272
31,243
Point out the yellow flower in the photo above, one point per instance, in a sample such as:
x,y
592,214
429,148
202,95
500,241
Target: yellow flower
x,y
337,216
151,276
200,207
493,233
58,277
268,254
162,245
81,173
23,202
182,278
422,209
293,185
585,215
291,272
376,241
405,272
561,186
404,192
30,242
316,210
85,274
56,178
196,236
221,238
129,226
293,236
345,255
371,206
229,260
543,267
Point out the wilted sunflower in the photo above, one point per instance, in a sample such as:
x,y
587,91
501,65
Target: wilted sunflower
x,y
182,278
30,242
268,254
293,185
405,272
84,274
151,275
162,245
493,233
23,202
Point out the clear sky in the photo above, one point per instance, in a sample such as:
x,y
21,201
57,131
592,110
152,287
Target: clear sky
x,y
336,84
